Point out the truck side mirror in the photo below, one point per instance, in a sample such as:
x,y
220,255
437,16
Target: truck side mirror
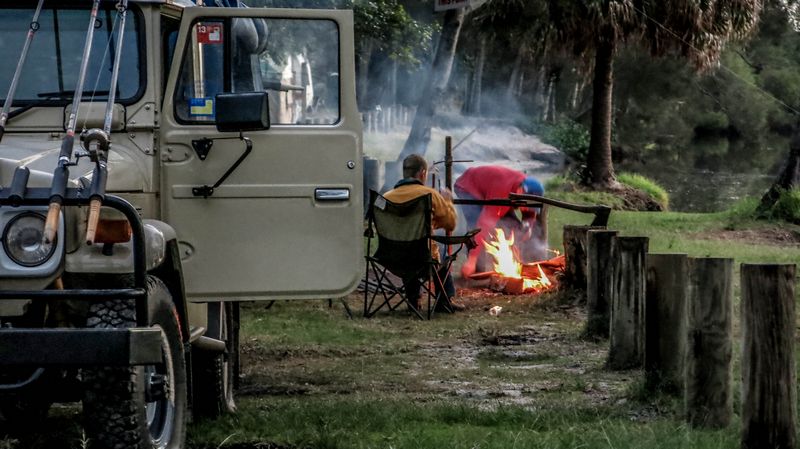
x,y
242,111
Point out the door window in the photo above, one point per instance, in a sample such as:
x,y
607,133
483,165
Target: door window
x,y
295,61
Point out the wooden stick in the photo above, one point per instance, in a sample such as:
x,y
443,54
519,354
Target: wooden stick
x,y
626,342
769,382
666,322
709,402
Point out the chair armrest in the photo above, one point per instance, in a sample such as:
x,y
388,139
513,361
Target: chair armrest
x,y
466,239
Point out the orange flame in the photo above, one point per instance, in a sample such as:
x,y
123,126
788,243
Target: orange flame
x,y
507,262
502,249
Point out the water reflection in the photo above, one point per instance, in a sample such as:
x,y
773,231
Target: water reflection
x,y
711,174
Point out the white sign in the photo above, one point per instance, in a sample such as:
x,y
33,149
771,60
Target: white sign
x,y
443,5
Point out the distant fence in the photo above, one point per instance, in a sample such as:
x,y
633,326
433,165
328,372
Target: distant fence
x,y
383,119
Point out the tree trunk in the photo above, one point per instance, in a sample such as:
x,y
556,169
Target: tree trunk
x,y
540,95
768,366
709,402
516,71
600,170
789,177
363,73
666,319
432,95
477,86
627,330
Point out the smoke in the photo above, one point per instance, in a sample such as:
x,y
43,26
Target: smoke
x,y
483,144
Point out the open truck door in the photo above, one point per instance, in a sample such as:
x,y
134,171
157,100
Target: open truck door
x,y
263,208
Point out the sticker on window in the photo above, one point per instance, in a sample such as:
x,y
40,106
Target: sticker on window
x,y
209,33
201,107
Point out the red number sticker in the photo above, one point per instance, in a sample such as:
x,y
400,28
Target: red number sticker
x,y
209,33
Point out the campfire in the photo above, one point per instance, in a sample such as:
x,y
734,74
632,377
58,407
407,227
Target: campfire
x,y
511,275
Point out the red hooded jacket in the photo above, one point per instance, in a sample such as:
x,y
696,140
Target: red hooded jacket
x,y
484,183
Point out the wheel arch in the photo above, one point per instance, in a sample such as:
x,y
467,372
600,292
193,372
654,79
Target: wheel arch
x,y
171,273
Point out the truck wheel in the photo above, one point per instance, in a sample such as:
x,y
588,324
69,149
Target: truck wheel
x,y
214,373
141,407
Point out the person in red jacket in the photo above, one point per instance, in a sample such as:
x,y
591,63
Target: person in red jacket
x,y
494,182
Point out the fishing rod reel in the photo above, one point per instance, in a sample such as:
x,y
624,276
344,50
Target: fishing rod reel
x,y
96,142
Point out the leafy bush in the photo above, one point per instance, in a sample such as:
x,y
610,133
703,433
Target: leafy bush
x,y
570,137
788,206
646,185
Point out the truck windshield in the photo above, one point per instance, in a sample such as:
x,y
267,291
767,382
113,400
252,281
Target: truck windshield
x,y
51,70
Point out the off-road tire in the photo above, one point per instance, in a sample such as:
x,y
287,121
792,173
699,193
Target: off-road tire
x,y
215,373
115,407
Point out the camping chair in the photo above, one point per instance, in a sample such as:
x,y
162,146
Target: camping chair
x,y
404,252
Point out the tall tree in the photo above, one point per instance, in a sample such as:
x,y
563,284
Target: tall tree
x,y
595,29
433,92
784,87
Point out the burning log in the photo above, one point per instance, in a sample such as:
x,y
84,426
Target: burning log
x,y
768,358
600,274
709,403
513,277
626,345
666,321
507,285
534,278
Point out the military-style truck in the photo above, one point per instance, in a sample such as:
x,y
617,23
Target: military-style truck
x,y
161,162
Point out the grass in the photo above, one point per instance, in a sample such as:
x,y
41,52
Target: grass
x,y
523,379
646,185
314,379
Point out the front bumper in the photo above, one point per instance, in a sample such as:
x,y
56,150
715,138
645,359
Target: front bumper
x,y
80,347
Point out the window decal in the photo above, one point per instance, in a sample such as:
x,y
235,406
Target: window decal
x,y
201,107
209,33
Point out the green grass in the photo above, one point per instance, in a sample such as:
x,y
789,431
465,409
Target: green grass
x,y
364,422
646,185
315,379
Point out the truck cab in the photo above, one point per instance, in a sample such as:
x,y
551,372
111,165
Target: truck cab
x,y
234,174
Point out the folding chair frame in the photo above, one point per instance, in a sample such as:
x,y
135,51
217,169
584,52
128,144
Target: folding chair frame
x,y
385,290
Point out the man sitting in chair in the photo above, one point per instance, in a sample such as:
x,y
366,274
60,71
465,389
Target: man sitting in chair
x,y
415,171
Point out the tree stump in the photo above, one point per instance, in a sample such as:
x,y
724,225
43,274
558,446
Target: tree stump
x,y
575,256
666,322
709,403
626,345
600,274
768,360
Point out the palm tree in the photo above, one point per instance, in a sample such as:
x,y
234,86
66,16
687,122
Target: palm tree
x,y
695,29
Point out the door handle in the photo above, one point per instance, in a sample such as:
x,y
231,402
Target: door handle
x,y
331,194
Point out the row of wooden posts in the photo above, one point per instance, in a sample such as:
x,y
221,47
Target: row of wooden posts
x,y
673,316
387,118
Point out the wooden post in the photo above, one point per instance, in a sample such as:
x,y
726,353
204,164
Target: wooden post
x,y
575,255
768,362
666,322
448,162
709,403
626,343
601,248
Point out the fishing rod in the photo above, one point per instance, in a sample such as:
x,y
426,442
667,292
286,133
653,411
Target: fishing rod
x,y
98,142
34,27
61,173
